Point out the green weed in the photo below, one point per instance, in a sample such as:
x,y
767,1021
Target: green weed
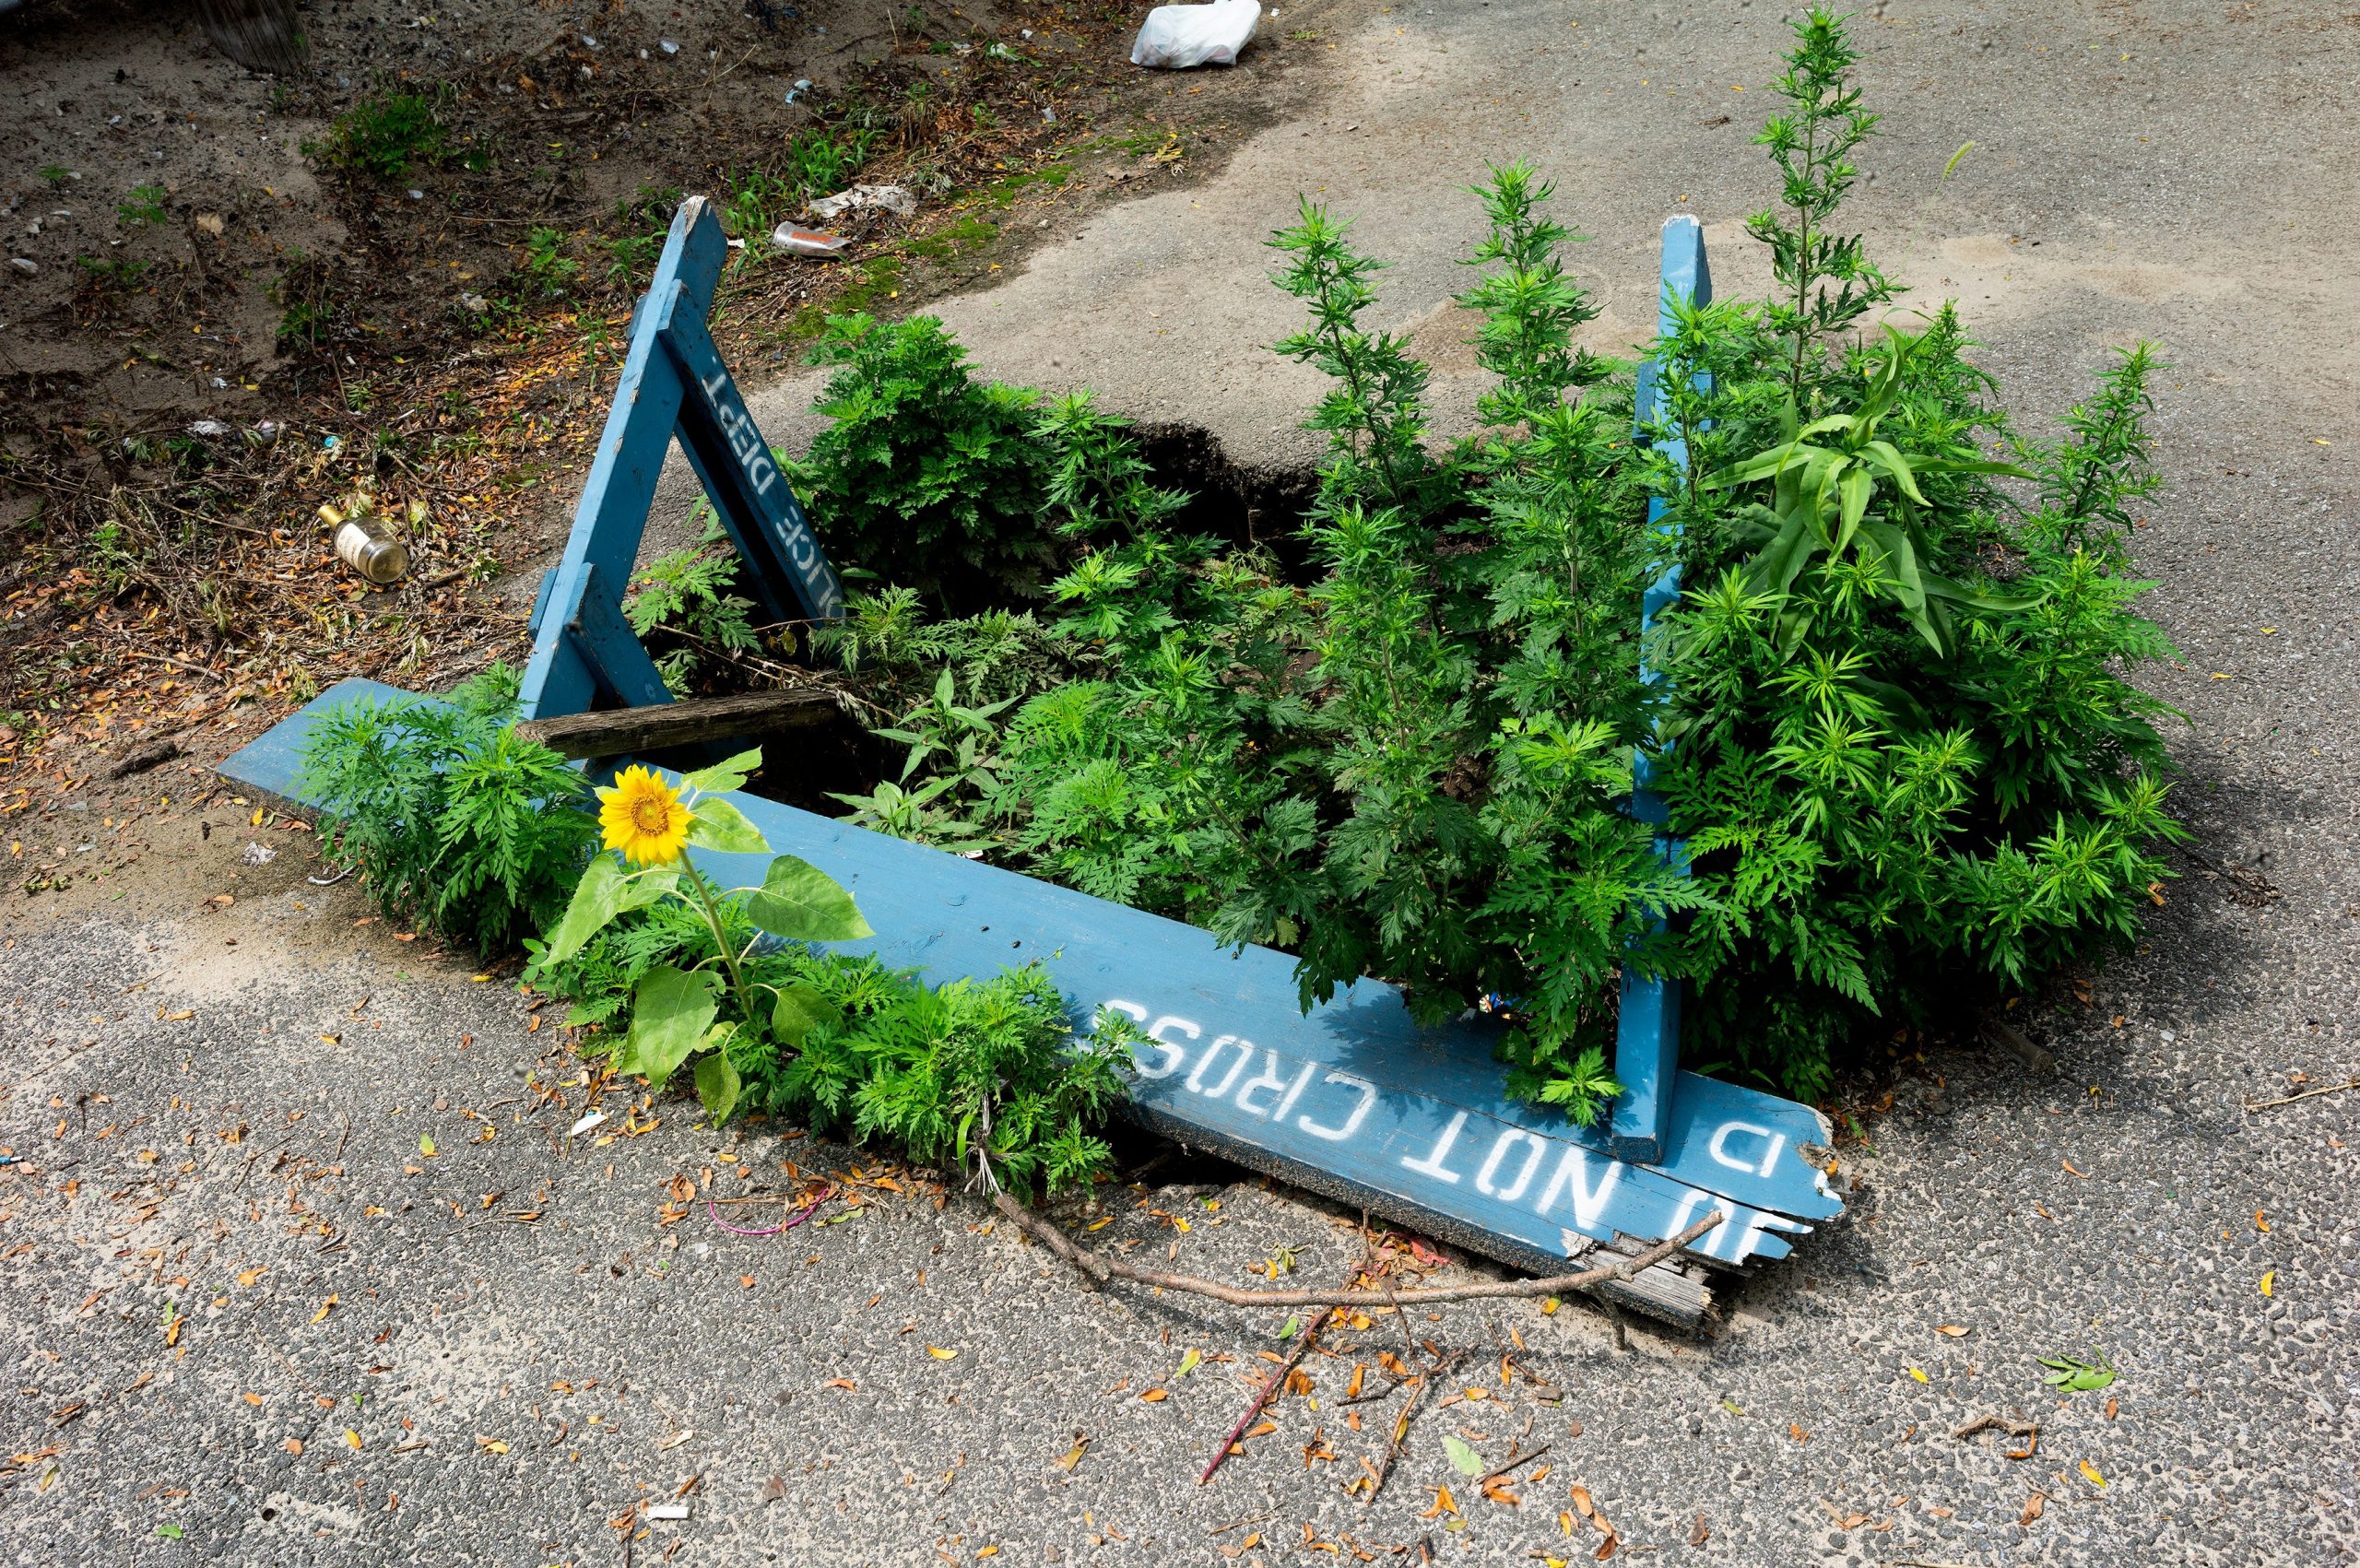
x,y
450,820
384,135
143,207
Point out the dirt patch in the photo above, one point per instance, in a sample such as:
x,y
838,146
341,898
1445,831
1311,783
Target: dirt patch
x,y
409,268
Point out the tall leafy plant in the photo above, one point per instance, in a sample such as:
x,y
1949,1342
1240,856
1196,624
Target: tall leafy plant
x,y
1825,281
924,472
1909,771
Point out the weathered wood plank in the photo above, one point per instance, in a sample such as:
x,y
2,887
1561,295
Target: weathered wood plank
x,y
617,732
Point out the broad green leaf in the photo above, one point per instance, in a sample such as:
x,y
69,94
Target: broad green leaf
x,y
1463,1458
800,1009
1940,587
605,892
669,1015
725,776
1783,558
1901,557
715,824
717,1084
801,902
1854,489
1886,456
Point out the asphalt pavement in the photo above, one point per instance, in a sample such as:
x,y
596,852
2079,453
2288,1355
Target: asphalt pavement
x,y
303,1265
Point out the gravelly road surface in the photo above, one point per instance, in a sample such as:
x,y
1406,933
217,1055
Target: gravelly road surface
x,y
492,1390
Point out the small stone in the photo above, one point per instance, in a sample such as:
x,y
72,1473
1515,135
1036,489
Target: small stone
x,y
25,265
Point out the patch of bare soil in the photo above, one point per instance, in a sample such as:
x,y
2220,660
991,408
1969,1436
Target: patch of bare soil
x,y
229,299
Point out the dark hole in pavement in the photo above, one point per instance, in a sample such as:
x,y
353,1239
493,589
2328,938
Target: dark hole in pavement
x,y
1234,502
1143,1155
1240,504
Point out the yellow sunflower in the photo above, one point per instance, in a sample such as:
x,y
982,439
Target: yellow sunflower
x,y
643,818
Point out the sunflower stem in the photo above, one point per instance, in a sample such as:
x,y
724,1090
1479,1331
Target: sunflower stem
x,y
720,937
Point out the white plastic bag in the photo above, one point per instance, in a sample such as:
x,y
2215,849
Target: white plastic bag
x,y
894,199
1174,38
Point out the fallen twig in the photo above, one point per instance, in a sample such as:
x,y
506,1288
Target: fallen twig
x,y
2036,1057
1261,1401
1515,1462
1402,1426
1099,1269
2253,1106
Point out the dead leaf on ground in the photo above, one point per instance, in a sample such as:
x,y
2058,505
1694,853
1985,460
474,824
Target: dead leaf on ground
x,y
2033,1506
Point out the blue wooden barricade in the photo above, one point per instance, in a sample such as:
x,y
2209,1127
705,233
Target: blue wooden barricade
x,y
673,383
1353,1099
1646,1042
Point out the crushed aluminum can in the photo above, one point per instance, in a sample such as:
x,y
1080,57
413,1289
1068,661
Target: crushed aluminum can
x,y
798,241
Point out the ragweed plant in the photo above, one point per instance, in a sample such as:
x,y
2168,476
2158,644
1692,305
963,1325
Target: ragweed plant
x,y
1908,769
448,816
1894,730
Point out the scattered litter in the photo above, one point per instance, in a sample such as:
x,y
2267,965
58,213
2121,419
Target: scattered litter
x,y
899,200
585,1123
257,854
802,85
806,242
363,542
668,1511
474,304
1175,38
667,46
211,430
